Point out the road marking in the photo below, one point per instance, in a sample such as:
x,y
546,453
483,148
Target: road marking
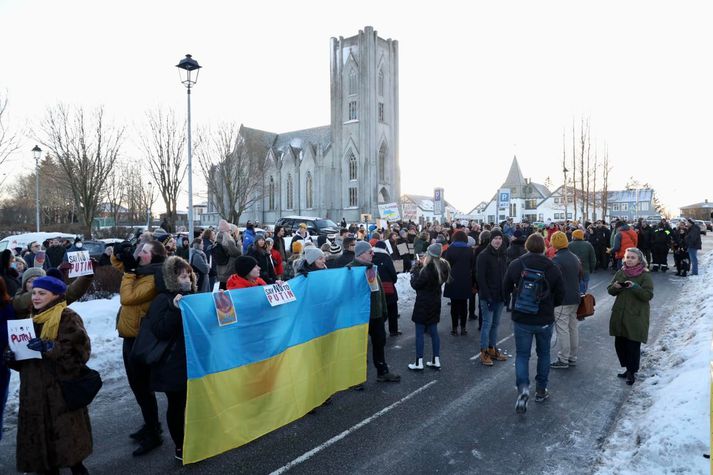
x,y
595,285
307,455
473,358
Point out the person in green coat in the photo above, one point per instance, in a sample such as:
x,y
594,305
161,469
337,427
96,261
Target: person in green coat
x,y
587,256
629,324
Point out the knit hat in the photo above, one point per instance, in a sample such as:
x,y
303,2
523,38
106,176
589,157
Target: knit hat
x,y
335,248
578,234
517,234
51,284
312,254
495,232
434,250
30,273
361,247
297,246
484,236
380,245
244,264
559,240
56,273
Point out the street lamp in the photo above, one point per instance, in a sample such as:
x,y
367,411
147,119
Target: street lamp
x,y
148,207
188,69
564,170
37,153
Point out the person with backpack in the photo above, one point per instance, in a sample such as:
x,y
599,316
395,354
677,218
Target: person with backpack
x,y
490,269
539,288
566,314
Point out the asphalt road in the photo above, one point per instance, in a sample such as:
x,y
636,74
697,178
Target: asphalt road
x,y
458,420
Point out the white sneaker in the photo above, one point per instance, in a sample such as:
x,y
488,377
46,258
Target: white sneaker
x,y
435,364
417,366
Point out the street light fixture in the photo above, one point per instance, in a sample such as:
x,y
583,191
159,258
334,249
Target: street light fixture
x,y
37,153
188,69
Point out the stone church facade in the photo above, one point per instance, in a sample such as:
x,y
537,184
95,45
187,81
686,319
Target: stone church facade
x,y
348,167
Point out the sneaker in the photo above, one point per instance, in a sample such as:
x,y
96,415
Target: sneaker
x,y
435,364
541,395
495,355
573,363
417,366
559,365
148,443
521,403
485,358
388,378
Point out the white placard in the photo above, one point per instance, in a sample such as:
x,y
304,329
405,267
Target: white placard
x,y
279,294
19,333
80,262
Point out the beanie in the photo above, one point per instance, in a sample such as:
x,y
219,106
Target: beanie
x,y
30,273
559,240
335,248
484,237
297,246
244,264
380,245
495,233
361,247
578,234
434,250
54,272
51,284
312,254
517,234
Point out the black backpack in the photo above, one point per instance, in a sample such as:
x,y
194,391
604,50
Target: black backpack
x,y
220,255
532,289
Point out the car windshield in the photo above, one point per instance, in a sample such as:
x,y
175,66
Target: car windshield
x,y
93,247
325,223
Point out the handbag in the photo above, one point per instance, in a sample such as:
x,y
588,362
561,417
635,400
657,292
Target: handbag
x,y
389,288
81,391
147,348
586,306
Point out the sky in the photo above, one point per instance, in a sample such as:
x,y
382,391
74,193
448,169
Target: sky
x,y
480,82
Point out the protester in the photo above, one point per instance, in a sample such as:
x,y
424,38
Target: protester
x,y
347,257
389,277
35,248
587,256
460,286
515,250
538,325
693,244
55,253
49,435
427,278
661,244
633,288
248,236
363,256
491,266
226,251
483,242
623,240
183,247
276,256
247,274
681,257
201,268
8,272
314,259
6,313
335,251
566,313
259,251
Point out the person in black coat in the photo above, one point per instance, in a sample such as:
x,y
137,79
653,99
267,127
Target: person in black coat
x,y
389,277
460,287
427,277
660,245
258,250
9,274
600,240
645,239
491,266
347,256
483,242
693,243
515,250
169,375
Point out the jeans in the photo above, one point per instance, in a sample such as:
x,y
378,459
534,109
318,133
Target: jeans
x,y
432,330
584,284
523,345
491,320
693,254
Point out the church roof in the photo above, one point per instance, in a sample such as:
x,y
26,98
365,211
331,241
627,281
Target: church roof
x,y
424,202
515,177
258,142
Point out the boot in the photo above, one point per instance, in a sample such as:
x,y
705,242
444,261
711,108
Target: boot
x,y
454,331
417,366
141,433
496,355
435,364
521,403
79,469
485,358
150,441
463,331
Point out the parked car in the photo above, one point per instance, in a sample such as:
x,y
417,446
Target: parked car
x,y
315,226
22,240
702,225
95,248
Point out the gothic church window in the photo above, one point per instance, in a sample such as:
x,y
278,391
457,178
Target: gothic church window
x,y
353,197
380,83
381,112
352,166
352,110
382,163
271,194
352,82
290,200
308,191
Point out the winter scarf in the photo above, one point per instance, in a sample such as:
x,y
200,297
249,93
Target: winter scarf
x,y
49,319
635,271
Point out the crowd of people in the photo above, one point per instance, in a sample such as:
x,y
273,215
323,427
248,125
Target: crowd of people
x,y
537,273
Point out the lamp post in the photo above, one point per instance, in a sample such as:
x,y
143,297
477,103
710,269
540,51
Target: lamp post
x,y
188,69
148,207
37,153
564,170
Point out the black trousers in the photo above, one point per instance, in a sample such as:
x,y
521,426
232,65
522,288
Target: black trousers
x,y
393,310
602,257
471,306
629,353
459,312
176,416
378,342
139,377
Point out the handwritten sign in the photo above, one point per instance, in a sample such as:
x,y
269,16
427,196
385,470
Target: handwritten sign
x,y
278,294
19,333
80,262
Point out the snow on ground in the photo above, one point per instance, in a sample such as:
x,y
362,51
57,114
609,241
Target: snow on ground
x,y
665,425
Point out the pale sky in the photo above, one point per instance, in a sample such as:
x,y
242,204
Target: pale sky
x,y
479,81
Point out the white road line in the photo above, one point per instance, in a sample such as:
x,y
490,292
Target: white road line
x,y
307,455
473,358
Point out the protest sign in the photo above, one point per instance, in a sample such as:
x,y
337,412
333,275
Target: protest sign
x,y
80,262
278,294
19,332
398,265
403,248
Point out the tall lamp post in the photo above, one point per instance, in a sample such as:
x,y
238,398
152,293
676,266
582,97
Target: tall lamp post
x,y
188,69
564,170
37,153
148,207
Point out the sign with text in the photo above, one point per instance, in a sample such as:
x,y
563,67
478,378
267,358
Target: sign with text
x,y
279,294
503,198
80,262
389,212
438,202
410,211
19,333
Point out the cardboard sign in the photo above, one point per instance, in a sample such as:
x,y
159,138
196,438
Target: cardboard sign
x,y
278,294
19,333
224,308
399,266
80,262
389,212
403,248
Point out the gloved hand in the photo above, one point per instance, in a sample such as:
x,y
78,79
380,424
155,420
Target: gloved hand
x,y
8,356
124,252
43,346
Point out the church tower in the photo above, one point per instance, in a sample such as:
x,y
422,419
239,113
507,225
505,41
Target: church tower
x,y
364,125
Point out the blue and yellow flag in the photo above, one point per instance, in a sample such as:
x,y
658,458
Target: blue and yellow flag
x,y
276,363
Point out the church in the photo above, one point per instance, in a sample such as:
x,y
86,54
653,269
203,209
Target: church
x,y
344,169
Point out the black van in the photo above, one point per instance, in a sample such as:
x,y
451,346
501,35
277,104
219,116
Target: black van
x,y
315,226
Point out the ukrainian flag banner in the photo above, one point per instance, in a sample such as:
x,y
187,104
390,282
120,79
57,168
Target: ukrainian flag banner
x,y
274,364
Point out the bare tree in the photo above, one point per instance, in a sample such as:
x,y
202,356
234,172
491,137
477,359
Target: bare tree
x,y
115,195
605,182
574,173
86,149
8,139
164,147
234,177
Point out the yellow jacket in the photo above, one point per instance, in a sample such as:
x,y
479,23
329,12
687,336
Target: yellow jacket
x,y
136,293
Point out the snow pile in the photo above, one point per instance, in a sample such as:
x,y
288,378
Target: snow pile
x,y
664,426
99,318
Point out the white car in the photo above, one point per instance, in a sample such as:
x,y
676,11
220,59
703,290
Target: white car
x,y
22,240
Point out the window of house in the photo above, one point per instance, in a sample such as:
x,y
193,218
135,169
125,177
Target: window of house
x,y
644,206
352,82
615,207
569,215
530,204
624,207
271,194
290,200
353,197
308,191
557,201
380,83
352,112
352,166
381,112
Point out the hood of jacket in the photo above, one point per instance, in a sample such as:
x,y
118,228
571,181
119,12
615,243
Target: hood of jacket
x,y
170,276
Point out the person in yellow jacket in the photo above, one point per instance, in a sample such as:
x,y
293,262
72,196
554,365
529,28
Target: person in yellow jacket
x,y
141,283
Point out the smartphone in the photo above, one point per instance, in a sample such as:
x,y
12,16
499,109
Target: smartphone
x,y
626,284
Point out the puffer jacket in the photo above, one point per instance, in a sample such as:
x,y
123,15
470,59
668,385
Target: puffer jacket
x,y
625,238
136,293
425,281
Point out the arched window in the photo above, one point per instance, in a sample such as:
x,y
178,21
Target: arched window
x,y
271,194
352,166
382,162
308,191
290,201
380,83
352,82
